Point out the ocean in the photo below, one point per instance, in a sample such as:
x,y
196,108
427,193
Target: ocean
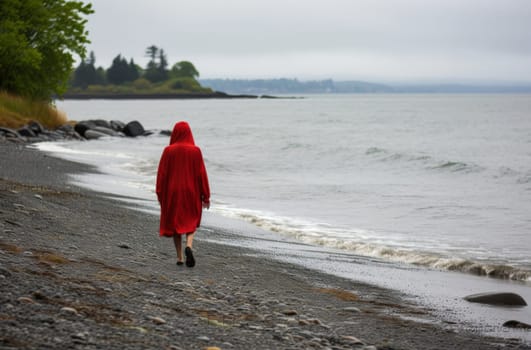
x,y
430,186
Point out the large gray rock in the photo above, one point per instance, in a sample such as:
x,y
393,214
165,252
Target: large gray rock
x,y
83,126
36,127
133,129
117,125
105,130
9,133
26,131
508,299
93,134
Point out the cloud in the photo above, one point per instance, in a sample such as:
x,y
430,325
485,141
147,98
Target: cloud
x,y
385,39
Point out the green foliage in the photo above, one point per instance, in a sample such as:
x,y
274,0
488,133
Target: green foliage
x,y
184,69
86,73
156,71
184,83
38,39
120,71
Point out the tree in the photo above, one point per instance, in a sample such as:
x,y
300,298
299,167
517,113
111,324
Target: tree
x,y
38,39
122,72
156,72
184,69
86,73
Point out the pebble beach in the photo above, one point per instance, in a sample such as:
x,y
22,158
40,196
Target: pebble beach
x,y
79,270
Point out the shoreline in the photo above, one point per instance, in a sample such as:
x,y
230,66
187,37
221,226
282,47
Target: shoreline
x,y
165,96
64,248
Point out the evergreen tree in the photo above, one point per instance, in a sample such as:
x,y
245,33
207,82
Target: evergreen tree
x,y
86,74
156,71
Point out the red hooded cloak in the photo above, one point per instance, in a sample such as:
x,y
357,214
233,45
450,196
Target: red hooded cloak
x,y
182,183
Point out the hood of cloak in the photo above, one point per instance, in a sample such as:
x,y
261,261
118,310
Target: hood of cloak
x,y
182,134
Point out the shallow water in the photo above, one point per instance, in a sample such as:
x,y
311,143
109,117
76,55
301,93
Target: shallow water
x,y
421,184
434,180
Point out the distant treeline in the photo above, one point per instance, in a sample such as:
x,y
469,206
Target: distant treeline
x,y
294,86
125,76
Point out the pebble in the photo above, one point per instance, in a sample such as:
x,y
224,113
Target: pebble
x,y
203,338
68,310
38,196
25,300
124,246
352,309
157,320
352,340
290,312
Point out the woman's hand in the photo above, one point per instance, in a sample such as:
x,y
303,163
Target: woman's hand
x,y
206,205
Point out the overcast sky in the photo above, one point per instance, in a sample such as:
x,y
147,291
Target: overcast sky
x,y
372,40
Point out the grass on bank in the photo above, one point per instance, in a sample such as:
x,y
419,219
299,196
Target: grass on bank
x,y
144,86
16,112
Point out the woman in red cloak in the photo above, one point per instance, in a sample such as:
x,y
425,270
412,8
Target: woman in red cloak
x,y
182,190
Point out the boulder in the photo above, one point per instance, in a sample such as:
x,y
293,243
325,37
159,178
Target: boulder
x,y
83,126
507,299
117,125
165,132
93,134
26,131
517,324
133,129
101,122
36,127
105,130
9,133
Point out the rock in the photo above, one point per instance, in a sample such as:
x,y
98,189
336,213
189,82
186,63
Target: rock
x,y
133,129
25,131
9,133
290,312
83,126
36,127
517,324
157,320
68,310
38,196
509,299
93,134
351,340
117,125
165,132
104,130
352,309
25,300
124,246
203,338
102,123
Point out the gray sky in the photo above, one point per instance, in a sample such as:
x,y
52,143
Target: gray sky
x,y
375,40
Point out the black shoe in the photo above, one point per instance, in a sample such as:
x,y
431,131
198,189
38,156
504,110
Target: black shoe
x,y
179,263
190,261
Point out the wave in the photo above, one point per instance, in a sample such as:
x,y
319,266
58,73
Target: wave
x,y
362,243
427,162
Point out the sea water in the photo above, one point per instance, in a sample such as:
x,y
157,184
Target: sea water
x,y
417,182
